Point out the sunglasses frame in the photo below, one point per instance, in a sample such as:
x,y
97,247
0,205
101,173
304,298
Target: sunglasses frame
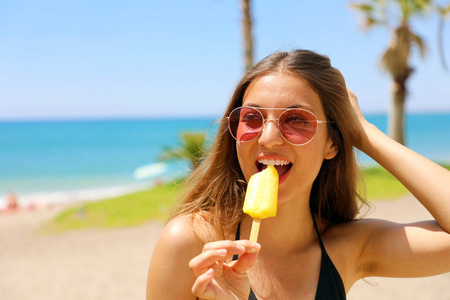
x,y
258,109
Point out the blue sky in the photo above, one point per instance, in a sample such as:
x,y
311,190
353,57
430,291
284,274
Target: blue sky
x,y
124,59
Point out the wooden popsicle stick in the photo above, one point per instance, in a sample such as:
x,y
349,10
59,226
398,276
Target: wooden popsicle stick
x,y
255,230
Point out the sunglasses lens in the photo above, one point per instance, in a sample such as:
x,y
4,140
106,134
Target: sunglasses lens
x,y
245,123
298,126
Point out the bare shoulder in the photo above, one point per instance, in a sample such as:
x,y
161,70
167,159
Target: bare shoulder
x,y
345,244
373,247
190,230
180,240
360,235
354,230
178,234
352,237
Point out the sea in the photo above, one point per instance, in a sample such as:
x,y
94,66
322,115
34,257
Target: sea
x,y
52,161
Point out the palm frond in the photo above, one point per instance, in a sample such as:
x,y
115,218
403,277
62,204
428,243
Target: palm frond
x,y
192,148
419,43
373,13
395,58
409,8
362,6
444,11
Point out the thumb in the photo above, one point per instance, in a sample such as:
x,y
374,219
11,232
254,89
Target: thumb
x,y
245,261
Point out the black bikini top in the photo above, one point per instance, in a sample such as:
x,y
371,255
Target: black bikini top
x,y
330,284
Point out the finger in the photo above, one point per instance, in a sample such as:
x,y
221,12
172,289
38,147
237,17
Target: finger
x,y
350,93
200,287
211,254
202,262
250,247
354,102
230,246
246,260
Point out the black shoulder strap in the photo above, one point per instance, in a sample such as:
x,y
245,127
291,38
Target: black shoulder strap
x,y
318,232
238,237
238,232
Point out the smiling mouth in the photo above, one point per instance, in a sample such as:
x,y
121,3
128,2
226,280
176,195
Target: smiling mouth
x,y
282,166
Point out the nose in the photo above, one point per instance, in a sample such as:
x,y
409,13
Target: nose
x,y
270,134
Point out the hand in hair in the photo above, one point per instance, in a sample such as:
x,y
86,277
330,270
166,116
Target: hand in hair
x,y
361,139
217,279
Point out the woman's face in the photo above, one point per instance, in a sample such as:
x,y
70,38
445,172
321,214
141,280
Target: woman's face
x,y
297,166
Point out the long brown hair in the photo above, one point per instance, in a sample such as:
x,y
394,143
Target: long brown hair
x,y
217,187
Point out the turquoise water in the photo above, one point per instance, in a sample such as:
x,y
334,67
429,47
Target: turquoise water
x,y
72,155
427,134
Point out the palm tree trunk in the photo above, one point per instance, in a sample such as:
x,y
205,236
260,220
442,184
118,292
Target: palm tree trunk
x,y
247,34
440,43
397,113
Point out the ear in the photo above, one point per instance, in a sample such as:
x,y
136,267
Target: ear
x,y
331,149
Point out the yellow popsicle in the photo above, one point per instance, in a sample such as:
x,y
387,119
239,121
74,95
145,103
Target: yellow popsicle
x,y
261,198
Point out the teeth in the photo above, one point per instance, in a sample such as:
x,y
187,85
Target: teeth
x,y
273,162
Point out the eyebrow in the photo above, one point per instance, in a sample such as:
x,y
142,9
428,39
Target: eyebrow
x,y
292,106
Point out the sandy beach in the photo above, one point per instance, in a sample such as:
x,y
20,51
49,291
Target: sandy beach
x,y
112,264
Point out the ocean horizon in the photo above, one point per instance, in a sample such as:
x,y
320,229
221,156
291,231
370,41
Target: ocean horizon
x,y
90,157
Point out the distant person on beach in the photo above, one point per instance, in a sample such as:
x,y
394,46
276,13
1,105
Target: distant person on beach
x,y
294,111
12,202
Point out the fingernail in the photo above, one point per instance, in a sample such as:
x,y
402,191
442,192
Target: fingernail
x,y
256,246
209,273
222,252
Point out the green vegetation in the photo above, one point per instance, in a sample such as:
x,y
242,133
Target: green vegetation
x,y
192,148
155,204
380,184
128,210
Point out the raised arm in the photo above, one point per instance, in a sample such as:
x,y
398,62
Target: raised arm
x,y
405,250
426,180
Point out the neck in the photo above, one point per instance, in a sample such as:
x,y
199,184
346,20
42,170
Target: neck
x,y
291,230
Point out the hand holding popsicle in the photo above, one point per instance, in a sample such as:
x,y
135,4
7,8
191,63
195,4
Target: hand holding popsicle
x,y
217,278
261,198
230,281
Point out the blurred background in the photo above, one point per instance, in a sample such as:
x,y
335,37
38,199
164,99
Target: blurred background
x,y
92,90
115,100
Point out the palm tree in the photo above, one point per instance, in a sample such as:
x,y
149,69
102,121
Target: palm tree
x,y
247,33
444,12
395,59
191,149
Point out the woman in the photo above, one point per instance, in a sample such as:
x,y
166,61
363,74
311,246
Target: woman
x,y
293,111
